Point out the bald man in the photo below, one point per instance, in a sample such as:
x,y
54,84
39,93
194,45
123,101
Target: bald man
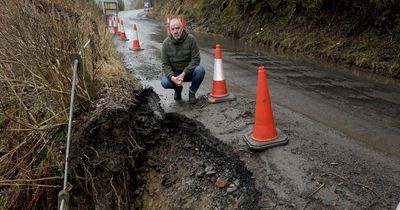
x,y
181,62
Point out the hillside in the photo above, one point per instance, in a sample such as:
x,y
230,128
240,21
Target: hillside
x,y
358,34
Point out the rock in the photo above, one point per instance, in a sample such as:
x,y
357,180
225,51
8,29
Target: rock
x,y
208,168
211,172
187,145
221,182
236,182
200,173
232,188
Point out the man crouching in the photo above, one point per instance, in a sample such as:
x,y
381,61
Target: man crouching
x,y
181,62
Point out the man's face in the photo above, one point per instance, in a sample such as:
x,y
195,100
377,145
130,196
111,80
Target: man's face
x,y
176,29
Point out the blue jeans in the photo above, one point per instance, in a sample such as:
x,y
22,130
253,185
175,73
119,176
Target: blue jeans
x,y
196,77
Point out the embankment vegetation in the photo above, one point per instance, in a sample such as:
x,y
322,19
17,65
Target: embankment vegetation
x,y
37,40
361,34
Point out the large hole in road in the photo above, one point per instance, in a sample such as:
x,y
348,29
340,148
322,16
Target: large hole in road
x,y
131,155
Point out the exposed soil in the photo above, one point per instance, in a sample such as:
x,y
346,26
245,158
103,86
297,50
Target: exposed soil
x,y
193,169
129,155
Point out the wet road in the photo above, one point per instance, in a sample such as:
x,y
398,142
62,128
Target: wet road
x,y
363,107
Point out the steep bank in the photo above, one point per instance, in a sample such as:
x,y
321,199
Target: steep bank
x,y
37,41
359,34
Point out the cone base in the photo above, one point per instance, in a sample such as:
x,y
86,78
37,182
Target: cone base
x,y
281,139
214,100
123,39
135,49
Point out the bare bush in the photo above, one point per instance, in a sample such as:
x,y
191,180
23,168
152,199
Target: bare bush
x,y
37,40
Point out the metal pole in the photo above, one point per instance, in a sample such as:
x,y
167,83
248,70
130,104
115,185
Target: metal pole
x,y
71,111
71,107
84,46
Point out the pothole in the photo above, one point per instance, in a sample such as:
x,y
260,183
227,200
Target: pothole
x,y
133,156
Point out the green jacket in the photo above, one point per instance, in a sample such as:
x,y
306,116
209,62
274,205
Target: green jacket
x,y
180,55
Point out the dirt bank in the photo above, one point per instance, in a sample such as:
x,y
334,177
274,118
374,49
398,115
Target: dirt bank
x,y
128,154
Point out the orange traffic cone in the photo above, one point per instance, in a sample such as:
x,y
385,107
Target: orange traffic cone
x,y
183,23
115,24
135,42
264,134
168,25
219,92
122,34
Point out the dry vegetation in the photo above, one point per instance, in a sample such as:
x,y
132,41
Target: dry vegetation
x,y
37,39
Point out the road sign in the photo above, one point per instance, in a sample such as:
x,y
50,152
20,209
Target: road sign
x,y
110,7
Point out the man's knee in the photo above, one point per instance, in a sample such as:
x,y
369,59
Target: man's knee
x,y
165,82
200,71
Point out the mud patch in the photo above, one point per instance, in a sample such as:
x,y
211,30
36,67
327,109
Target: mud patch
x,y
191,169
130,155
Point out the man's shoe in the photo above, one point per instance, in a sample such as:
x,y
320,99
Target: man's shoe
x,y
178,93
192,97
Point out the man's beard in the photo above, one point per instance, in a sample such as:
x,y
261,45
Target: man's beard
x,y
177,36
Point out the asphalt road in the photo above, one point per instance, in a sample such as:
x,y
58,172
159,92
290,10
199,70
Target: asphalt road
x,y
363,107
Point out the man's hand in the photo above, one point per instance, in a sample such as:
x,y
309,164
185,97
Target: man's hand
x,y
181,77
176,80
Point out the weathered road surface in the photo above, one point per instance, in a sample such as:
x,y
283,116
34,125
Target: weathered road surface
x,y
343,126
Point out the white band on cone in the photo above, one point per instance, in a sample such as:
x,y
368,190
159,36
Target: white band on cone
x,y
218,75
135,36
